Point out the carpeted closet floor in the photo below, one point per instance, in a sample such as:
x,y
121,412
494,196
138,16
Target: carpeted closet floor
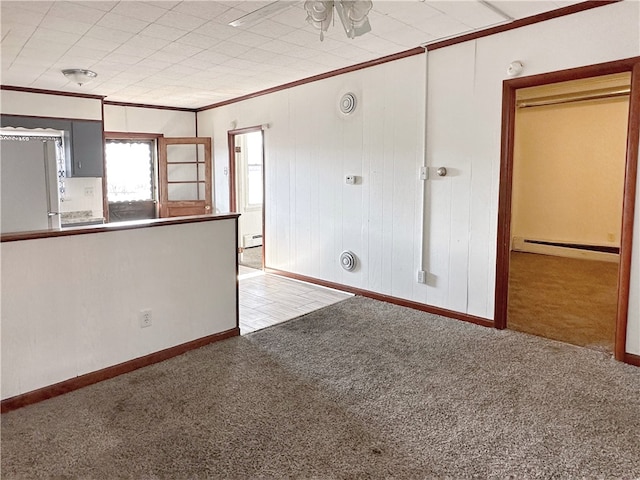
x,y
566,299
251,257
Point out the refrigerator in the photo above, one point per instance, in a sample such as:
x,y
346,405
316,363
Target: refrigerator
x,y
29,190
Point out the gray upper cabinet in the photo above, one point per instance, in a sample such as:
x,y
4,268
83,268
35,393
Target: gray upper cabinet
x,y
87,148
84,144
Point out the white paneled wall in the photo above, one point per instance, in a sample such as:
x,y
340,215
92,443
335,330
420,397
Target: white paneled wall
x,y
463,132
312,215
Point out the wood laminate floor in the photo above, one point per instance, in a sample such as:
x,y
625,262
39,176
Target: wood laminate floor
x,y
566,299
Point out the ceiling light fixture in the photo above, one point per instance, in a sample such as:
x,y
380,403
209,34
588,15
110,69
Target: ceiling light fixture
x,y
79,75
352,14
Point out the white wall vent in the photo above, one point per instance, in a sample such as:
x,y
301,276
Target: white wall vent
x,y
348,260
249,241
348,103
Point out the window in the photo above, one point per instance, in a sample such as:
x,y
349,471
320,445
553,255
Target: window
x,y
130,170
253,197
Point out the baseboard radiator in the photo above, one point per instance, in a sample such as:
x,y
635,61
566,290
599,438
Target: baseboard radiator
x,y
249,241
605,253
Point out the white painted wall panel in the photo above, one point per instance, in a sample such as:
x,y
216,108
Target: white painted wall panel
x,y
90,288
374,195
171,123
312,215
464,124
309,209
43,105
448,203
633,320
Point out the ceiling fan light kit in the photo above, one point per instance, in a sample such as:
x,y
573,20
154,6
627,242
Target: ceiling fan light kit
x,y
352,15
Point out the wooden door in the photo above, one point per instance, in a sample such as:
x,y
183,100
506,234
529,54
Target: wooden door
x,y
185,176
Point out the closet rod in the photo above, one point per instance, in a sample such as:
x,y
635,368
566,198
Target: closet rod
x,y
576,97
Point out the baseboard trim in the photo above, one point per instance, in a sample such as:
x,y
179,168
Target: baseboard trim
x,y
543,247
632,359
87,379
386,298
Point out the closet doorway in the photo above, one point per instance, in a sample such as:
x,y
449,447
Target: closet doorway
x,y
566,205
246,177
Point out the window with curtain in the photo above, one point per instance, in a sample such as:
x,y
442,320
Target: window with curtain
x,y
130,170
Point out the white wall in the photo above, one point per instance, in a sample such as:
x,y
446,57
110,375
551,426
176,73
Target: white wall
x,y
568,172
633,330
43,105
311,214
88,291
463,133
171,123
82,194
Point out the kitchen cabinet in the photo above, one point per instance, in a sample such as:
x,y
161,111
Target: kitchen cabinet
x,y
87,149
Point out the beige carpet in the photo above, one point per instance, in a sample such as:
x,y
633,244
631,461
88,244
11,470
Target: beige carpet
x,y
357,390
251,257
566,299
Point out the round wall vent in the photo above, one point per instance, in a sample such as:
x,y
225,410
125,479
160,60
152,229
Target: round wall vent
x,y
348,260
348,103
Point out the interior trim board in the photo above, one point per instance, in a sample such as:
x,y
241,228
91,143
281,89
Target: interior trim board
x,y
523,22
132,136
87,379
146,105
387,298
321,76
632,359
13,115
15,88
113,227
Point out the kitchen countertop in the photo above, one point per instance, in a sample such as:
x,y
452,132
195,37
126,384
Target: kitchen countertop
x,y
81,220
84,217
109,227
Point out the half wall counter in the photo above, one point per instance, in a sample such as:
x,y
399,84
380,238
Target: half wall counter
x,y
83,304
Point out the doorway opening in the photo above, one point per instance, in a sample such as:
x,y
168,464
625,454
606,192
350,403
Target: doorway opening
x,y
567,194
566,213
246,151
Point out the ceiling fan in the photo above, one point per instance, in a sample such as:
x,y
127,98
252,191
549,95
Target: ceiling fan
x,y
352,15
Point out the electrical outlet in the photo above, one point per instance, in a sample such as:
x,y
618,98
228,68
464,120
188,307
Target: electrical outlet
x,y
422,276
350,179
145,318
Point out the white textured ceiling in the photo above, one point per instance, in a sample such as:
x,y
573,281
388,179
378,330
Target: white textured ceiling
x,y
184,53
